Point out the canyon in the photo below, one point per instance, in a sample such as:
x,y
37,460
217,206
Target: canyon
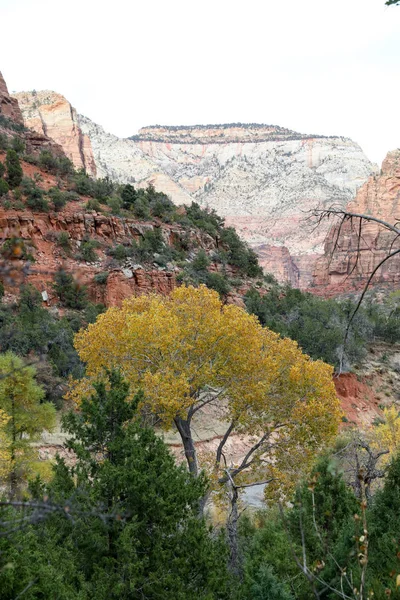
x,y
263,179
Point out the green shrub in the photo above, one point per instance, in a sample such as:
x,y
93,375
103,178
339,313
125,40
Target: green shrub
x,y
93,205
219,283
119,252
201,261
71,294
2,170
14,169
18,145
4,144
59,165
115,204
4,187
128,196
57,197
101,278
87,250
63,241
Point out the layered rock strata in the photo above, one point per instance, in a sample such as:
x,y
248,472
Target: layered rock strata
x,y
349,259
50,114
9,106
262,179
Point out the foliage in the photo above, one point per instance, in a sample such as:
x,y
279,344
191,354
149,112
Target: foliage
x,y
4,187
15,248
384,549
14,169
18,145
205,219
34,195
61,165
27,416
101,278
387,433
317,325
134,531
64,242
190,350
87,250
71,293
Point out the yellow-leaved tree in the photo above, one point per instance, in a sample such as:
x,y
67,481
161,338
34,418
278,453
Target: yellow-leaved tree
x,y
188,350
387,434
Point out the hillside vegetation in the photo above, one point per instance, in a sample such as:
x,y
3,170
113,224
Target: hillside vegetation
x,y
117,516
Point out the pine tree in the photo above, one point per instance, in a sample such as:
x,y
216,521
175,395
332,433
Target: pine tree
x,y
134,530
27,416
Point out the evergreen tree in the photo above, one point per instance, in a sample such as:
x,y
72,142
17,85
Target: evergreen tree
x,y
128,195
14,169
384,535
71,294
20,401
134,530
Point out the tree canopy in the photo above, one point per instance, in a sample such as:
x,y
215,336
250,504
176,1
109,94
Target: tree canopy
x,y
189,351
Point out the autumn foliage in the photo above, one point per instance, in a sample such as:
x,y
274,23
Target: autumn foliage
x,y
189,350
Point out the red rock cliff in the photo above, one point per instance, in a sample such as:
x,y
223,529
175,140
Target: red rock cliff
x,y
8,105
379,197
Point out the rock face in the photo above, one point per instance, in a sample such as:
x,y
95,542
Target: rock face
x,y
336,272
52,115
262,179
9,107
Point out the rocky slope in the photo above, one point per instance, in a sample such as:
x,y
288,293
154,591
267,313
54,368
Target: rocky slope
x,y
51,114
36,234
263,179
348,268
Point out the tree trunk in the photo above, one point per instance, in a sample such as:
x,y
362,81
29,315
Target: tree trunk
x,y
232,530
183,426
13,472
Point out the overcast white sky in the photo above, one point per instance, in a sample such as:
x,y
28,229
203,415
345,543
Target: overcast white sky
x,y
315,66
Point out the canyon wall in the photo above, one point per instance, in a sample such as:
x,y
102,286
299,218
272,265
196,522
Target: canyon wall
x,y
262,179
348,268
9,106
52,115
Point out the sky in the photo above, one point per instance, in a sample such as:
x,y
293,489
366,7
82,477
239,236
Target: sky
x,y
314,66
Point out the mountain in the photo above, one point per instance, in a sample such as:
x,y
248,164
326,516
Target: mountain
x,y
339,273
262,179
51,114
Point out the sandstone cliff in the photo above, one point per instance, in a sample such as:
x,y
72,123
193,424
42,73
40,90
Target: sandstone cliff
x,y
9,107
52,115
262,179
349,266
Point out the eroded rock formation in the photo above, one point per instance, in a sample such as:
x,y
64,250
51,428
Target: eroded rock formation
x,y
9,107
262,179
52,115
349,259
